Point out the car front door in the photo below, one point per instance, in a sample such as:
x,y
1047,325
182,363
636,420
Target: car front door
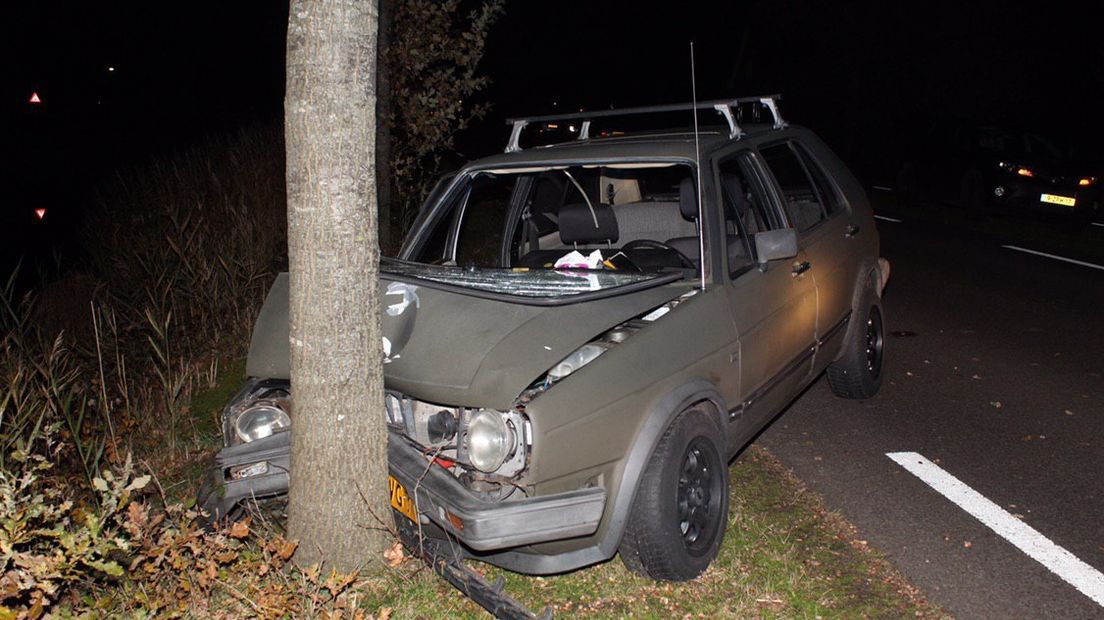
x,y
827,233
773,304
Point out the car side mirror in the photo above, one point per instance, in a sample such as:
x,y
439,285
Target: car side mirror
x,y
775,244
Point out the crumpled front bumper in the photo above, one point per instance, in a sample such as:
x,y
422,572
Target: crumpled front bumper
x,y
220,494
439,497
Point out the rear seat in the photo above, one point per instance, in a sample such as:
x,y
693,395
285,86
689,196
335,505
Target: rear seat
x,y
651,220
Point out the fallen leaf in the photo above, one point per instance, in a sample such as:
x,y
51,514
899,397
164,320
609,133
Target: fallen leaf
x,y
996,403
287,549
240,529
384,614
395,555
967,544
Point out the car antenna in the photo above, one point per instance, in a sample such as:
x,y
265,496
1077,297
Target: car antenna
x,y
697,167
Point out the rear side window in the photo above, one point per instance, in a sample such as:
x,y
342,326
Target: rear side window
x,y
802,199
826,192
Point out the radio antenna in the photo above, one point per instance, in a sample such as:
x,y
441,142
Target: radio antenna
x,y
697,167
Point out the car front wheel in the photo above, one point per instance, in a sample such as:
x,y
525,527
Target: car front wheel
x,y
681,508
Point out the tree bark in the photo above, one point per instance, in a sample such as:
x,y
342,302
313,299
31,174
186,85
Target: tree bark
x,y
338,492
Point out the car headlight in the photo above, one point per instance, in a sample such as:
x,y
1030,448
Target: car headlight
x,y
260,420
581,357
490,440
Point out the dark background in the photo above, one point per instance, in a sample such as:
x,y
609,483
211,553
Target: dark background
x,y
862,74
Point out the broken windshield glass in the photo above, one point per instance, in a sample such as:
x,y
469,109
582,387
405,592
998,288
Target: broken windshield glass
x,y
538,283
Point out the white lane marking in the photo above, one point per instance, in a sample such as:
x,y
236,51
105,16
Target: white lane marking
x,y
883,188
1054,256
1100,224
1057,560
888,219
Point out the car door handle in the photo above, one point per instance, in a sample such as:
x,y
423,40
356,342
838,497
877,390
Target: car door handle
x,y
800,268
852,230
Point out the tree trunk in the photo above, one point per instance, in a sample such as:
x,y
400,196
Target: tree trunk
x,y
338,494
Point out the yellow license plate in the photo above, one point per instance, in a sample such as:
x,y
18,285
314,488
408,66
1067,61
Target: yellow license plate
x,y
1058,200
400,500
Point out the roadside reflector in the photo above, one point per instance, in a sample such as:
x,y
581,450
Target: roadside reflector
x,y
41,213
35,98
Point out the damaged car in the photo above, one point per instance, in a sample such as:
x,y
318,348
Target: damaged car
x,y
579,337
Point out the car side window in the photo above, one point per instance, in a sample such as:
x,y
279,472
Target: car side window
x,y
826,192
473,224
746,210
801,197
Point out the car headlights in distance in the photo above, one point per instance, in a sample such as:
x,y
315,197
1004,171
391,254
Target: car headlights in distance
x,y
490,440
260,420
581,357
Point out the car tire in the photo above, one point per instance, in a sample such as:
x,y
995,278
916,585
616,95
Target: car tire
x,y
680,512
858,372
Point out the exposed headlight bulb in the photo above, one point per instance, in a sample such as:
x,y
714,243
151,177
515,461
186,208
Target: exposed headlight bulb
x,y
262,419
490,440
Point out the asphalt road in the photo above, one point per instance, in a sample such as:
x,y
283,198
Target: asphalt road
x,y
995,372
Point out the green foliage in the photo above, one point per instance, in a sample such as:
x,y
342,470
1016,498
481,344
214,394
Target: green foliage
x,y
432,64
49,543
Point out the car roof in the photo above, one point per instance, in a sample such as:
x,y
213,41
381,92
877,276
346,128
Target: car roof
x,y
660,145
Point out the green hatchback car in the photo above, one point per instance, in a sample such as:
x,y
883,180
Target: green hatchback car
x,y
579,337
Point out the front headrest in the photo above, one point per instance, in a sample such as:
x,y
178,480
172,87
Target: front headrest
x,y
688,204
578,224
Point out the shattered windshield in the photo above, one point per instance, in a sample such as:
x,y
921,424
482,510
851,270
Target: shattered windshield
x,y
549,230
536,283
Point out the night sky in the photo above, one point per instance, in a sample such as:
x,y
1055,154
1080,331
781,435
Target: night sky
x,y
858,73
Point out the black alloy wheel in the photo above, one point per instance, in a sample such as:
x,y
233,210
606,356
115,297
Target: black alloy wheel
x,y
874,343
698,487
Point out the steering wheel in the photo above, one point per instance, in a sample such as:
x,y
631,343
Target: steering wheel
x,y
659,245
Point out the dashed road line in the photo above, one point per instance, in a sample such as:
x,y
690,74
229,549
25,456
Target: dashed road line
x,y
883,188
1053,256
887,218
1100,224
1057,560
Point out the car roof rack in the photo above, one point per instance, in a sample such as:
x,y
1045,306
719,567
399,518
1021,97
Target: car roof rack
x,y
728,108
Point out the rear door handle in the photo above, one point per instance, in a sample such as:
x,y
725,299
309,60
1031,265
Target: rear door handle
x,y
802,267
852,230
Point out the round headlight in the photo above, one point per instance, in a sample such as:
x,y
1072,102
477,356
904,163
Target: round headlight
x,y
260,421
489,440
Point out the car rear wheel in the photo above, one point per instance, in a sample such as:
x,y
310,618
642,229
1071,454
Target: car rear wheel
x,y
680,512
858,371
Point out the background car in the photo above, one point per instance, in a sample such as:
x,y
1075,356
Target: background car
x,y
988,169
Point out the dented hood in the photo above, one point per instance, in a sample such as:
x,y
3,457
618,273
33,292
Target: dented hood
x,y
455,347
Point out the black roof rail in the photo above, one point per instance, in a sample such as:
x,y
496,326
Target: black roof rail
x,y
724,107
